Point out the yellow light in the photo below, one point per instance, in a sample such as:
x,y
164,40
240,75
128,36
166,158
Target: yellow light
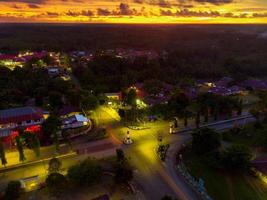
x,y
85,123
32,185
263,178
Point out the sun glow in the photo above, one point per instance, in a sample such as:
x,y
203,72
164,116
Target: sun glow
x,y
113,11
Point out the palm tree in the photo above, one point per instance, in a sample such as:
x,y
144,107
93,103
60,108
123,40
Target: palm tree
x,y
50,128
195,110
2,154
36,145
186,113
216,111
20,149
56,141
240,107
208,102
67,138
197,120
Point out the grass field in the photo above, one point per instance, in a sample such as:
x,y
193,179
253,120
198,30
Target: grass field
x,y
223,186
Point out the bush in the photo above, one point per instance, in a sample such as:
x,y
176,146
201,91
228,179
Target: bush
x,y
56,182
123,173
54,165
236,157
88,172
227,136
167,197
205,140
13,190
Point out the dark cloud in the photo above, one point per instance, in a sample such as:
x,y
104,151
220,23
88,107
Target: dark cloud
x,y
72,13
255,9
33,6
217,2
160,3
103,12
87,13
189,13
214,14
124,9
139,1
25,1
52,14
164,3
15,6
259,15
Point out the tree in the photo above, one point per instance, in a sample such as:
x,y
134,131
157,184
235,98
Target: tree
x,y
2,154
56,182
48,59
88,172
207,102
13,190
33,142
167,197
131,97
153,86
121,113
123,173
195,109
55,99
54,165
240,107
67,138
89,102
178,103
120,155
20,149
185,114
205,140
50,128
237,157
36,145
130,100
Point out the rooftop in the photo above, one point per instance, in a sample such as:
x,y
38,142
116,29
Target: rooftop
x,y
15,115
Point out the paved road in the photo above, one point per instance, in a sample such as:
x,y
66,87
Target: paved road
x,y
155,177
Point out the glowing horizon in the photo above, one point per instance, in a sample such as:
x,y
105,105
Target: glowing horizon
x,y
134,11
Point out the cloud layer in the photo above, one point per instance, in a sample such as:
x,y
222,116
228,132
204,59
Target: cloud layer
x,y
134,11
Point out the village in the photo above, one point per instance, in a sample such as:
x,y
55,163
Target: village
x,y
76,118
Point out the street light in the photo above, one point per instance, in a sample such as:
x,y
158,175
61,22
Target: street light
x,y
128,140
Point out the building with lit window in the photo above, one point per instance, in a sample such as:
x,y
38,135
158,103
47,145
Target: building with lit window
x,y
27,118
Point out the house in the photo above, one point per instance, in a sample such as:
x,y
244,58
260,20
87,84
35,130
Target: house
x,y
75,121
114,96
254,84
53,71
223,82
27,118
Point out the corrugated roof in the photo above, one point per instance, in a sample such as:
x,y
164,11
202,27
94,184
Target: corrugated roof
x,y
15,115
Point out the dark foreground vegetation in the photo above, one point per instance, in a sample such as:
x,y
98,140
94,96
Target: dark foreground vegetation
x,y
199,51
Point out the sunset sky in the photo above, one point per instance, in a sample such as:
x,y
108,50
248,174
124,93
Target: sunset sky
x,y
134,11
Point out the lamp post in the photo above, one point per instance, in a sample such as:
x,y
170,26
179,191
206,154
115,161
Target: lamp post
x,y
128,139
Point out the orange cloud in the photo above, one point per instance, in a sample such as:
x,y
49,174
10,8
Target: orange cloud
x,y
134,11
